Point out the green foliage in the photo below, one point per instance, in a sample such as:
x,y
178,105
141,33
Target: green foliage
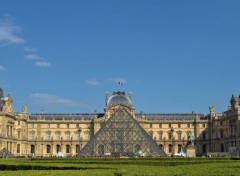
x,y
121,166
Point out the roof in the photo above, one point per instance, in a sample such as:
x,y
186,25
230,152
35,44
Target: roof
x,y
80,116
66,116
171,116
119,98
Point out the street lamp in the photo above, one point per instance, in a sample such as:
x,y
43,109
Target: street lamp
x,y
79,132
172,130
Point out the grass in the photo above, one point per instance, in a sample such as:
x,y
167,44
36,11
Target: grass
x,y
120,167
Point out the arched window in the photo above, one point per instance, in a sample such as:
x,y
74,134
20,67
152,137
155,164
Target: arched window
x,y
32,148
170,148
222,147
48,149
67,148
77,148
101,149
179,148
58,148
18,148
204,148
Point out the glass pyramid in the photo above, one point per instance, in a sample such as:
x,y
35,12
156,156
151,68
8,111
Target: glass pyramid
x,y
4,153
120,136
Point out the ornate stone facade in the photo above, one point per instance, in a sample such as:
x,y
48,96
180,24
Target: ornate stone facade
x,y
46,134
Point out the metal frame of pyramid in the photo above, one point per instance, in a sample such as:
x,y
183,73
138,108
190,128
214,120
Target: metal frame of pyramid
x,y
120,136
4,153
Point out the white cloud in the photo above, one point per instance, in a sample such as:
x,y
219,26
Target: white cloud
x,y
42,64
39,61
9,32
93,82
53,101
32,57
2,68
27,49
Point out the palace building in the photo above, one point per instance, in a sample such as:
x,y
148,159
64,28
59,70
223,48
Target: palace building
x,y
118,131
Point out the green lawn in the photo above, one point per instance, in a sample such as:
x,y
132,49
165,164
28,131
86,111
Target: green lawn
x,y
117,167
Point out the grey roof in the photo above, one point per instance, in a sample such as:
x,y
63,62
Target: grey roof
x,y
66,116
171,116
79,116
119,98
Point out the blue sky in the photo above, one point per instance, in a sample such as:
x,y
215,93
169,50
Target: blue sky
x,y
174,56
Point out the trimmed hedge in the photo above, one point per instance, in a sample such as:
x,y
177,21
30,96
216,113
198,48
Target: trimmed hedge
x,y
4,167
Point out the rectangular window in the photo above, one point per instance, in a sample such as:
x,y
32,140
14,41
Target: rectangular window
x,y
221,134
160,136
19,122
203,125
77,125
19,134
48,136
188,125
76,136
86,135
58,136
179,136
169,125
150,125
68,136
33,135
179,125
169,135
67,125
160,125
58,125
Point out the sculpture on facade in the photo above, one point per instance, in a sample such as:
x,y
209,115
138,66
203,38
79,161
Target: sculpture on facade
x,y
190,138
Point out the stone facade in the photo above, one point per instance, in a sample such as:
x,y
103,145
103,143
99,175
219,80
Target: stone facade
x,y
46,134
